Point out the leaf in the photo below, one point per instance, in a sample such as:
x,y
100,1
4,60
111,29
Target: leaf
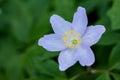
x,y
45,78
30,19
64,8
7,50
36,51
36,55
14,68
116,66
21,20
42,62
38,7
103,9
114,14
104,76
89,8
41,16
115,55
49,67
104,20
41,27
107,38
116,76
2,77
60,78
40,78
40,58
75,69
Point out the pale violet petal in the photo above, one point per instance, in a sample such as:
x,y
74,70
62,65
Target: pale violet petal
x,y
59,25
66,59
93,34
80,21
85,55
52,42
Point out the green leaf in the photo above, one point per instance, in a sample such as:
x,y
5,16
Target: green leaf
x,y
2,77
45,78
90,8
49,67
104,76
30,19
41,14
14,68
40,78
38,7
104,20
21,20
75,69
36,51
116,66
60,78
36,55
41,27
40,58
107,38
116,76
103,9
114,14
115,55
7,50
65,8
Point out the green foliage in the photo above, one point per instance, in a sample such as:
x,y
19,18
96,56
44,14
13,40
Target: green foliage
x,y
104,76
23,22
108,39
116,76
114,59
114,14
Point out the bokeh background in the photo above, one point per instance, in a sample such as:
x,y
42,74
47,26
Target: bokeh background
x,y
23,22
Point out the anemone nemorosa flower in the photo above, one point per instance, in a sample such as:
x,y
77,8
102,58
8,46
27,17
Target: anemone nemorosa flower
x,y
72,39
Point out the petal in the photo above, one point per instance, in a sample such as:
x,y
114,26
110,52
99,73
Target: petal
x,y
52,42
85,55
93,34
59,25
66,59
80,20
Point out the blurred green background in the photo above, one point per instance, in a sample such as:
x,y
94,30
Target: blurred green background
x,y
23,22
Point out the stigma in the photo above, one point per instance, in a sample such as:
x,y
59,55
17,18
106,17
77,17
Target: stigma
x,y
71,39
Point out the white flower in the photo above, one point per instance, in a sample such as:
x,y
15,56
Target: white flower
x,y
72,39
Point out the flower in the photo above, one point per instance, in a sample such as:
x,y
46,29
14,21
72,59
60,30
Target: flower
x,y
72,39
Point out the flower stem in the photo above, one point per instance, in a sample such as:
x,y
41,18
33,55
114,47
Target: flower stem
x,y
78,75
88,71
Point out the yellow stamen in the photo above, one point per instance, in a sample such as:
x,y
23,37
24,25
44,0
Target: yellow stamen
x,y
71,39
74,41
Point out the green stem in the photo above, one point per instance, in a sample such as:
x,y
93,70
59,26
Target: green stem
x,y
89,71
98,71
78,75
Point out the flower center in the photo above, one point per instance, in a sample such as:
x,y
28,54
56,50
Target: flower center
x,y
74,41
71,39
